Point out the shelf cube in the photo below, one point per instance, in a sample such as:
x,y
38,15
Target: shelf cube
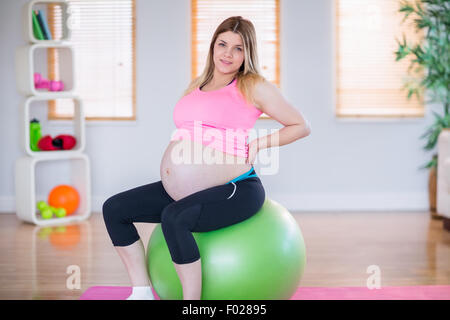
x,y
64,25
32,108
35,177
33,58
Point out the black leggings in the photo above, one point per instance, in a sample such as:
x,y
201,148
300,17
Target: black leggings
x,y
202,211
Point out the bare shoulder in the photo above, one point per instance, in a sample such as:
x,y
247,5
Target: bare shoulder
x,y
271,101
265,92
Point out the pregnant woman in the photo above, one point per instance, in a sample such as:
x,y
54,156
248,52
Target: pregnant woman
x,y
207,177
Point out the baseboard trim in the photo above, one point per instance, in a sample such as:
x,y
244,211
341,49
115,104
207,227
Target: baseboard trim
x,y
417,201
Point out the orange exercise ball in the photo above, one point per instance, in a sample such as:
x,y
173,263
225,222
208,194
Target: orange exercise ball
x,y
64,196
65,237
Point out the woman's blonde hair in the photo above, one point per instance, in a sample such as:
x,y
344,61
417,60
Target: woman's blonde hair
x,y
249,73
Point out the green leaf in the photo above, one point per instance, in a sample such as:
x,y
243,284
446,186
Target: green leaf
x,y
430,63
430,164
437,116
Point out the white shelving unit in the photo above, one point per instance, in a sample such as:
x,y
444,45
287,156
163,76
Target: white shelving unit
x,y
29,59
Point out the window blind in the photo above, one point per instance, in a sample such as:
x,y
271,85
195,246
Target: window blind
x,y
103,37
264,14
368,79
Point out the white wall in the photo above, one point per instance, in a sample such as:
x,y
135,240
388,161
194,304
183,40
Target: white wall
x,y
342,165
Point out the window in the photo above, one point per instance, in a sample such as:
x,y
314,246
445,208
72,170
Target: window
x,y
264,14
368,79
103,37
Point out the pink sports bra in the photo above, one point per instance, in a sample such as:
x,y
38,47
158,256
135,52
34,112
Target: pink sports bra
x,y
220,119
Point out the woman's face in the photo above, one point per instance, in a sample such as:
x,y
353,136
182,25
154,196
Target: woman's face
x,y
228,48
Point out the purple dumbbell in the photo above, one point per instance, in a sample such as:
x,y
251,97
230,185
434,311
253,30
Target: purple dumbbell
x,y
41,83
56,85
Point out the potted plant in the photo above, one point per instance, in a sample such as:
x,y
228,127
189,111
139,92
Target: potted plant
x,y
432,55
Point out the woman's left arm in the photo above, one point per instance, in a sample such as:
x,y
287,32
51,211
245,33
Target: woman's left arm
x,y
271,102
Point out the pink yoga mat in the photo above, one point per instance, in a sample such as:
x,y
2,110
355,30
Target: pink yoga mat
x,y
310,293
109,293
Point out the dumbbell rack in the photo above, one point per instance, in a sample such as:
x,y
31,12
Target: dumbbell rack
x,y
26,181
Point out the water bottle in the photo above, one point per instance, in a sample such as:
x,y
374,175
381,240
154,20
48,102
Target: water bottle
x,y
35,134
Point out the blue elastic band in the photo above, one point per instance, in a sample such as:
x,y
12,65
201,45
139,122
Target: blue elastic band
x,y
244,176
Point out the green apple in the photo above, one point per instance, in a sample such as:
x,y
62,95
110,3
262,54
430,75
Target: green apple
x,y
41,205
60,212
47,213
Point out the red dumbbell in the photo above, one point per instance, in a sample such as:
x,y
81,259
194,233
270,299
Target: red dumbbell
x,y
60,142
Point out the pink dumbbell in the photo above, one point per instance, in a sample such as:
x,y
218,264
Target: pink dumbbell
x,y
41,83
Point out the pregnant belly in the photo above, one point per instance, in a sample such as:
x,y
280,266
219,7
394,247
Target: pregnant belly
x,y
189,166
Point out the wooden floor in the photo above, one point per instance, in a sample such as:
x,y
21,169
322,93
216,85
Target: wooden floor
x,y
409,248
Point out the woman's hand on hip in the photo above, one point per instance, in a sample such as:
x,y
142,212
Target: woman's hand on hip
x,y
252,151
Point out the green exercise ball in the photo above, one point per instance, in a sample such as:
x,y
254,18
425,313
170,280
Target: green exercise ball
x,y
261,258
